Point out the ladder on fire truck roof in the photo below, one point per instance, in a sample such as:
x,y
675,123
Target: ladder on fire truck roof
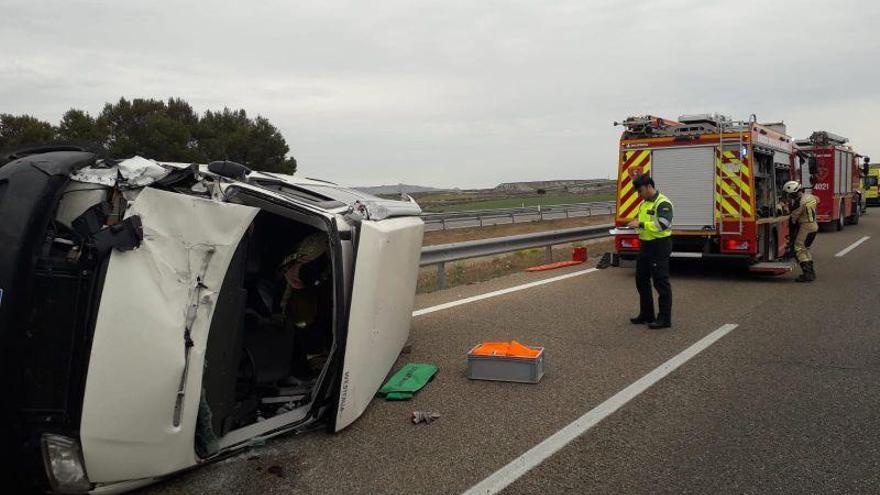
x,y
725,197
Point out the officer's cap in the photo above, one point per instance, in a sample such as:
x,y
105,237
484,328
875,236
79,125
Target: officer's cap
x,y
643,180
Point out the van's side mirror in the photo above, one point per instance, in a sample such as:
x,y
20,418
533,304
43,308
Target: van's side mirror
x,y
231,170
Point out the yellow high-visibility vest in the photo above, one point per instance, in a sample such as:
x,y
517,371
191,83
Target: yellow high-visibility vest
x,y
651,225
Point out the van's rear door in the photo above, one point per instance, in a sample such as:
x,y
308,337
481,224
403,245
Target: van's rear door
x,y
383,292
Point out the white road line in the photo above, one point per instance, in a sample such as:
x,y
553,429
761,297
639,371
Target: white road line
x,y
852,246
539,453
501,292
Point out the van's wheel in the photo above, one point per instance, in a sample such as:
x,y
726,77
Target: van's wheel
x,y
840,218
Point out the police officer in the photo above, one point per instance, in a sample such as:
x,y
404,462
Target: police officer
x,y
654,224
803,216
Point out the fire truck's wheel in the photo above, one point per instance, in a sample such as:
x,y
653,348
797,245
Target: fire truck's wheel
x,y
840,218
857,212
773,246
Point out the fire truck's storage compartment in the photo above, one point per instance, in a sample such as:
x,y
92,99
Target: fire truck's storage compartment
x,y
687,177
763,170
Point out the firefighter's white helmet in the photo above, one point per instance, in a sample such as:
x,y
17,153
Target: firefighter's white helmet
x,y
791,187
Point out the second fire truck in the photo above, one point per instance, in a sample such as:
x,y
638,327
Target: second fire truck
x,y
725,179
834,173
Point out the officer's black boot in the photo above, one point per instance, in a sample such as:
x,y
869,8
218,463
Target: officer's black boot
x,y
660,324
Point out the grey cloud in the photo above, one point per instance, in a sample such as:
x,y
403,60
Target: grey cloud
x,y
453,93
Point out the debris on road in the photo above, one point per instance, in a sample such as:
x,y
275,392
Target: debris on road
x,y
553,266
510,349
506,361
424,417
407,381
578,256
275,470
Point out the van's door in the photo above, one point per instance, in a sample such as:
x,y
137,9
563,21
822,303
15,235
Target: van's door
x,y
383,292
145,373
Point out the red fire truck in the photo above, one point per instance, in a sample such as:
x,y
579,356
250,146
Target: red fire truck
x,y
725,179
834,174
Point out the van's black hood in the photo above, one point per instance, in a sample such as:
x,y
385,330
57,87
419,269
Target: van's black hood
x,y
30,188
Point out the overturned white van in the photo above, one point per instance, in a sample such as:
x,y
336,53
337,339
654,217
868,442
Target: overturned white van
x,y
155,316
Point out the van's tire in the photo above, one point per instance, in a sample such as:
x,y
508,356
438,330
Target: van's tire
x,y
841,220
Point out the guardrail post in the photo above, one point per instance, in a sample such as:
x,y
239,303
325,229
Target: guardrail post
x,y
540,213
480,217
441,275
442,224
512,220
589,212
566,213
548,254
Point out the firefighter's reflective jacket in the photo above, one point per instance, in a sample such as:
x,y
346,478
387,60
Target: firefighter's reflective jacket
x,y
805,209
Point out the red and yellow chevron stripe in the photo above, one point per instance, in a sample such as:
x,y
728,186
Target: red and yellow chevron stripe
x,y
733,190
632,164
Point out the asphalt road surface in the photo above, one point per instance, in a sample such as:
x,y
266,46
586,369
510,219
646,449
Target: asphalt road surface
x,y
786,402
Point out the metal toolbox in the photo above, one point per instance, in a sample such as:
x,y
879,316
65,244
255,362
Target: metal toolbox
x,y
506,368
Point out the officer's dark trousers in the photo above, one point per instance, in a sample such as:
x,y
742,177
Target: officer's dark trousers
x,y
653,264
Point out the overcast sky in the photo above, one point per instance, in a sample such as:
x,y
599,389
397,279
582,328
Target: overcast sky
x,y
451,93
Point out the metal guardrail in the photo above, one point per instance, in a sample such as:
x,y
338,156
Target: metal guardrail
x,y
446,220
445,253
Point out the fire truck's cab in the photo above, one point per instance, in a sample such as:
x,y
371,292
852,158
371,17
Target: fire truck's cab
x,y
724,178
833,173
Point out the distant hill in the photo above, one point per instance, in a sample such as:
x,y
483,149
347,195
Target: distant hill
x,y
397,188
577,186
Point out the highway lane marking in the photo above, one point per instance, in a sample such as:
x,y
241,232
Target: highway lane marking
x,y
851,246
501,292
541,452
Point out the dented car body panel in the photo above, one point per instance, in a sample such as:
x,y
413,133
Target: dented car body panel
x,y
153,297
158,288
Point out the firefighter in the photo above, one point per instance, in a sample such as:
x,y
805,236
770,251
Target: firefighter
x,y
803,215
654,224
306,302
